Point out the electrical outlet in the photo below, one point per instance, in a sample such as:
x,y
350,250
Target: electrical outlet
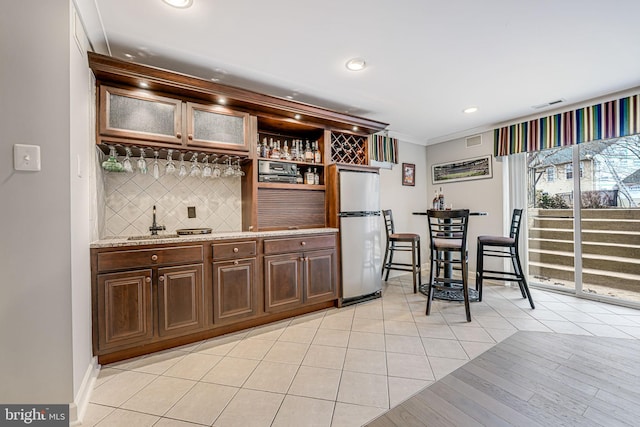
x,y
191,211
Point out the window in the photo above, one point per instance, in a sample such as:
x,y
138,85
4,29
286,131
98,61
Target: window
x,y
551,174
568,170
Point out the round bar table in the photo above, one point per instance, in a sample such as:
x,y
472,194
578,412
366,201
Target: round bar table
x,y
455,293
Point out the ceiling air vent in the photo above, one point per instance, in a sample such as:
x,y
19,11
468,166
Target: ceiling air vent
x,y
548,104
474,141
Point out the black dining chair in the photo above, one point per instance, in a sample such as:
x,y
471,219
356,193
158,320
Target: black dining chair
x,y
448,247
503,247
403,242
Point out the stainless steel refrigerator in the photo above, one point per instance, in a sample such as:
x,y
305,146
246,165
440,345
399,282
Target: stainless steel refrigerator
x,y
360,234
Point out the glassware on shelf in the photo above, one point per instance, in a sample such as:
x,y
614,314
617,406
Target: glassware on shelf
x,y
142,163
237,169
216,167
195,168
126,163
182,169
228,170
170,167
112,164
206,167
155,169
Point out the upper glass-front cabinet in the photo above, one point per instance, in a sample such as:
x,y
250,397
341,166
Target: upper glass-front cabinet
x,y
213,126
140,115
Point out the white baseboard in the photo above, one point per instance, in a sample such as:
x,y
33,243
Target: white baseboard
x,y
78,408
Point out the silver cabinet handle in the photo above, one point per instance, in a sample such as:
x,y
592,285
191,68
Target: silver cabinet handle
x,y
147,279
161,278
154,257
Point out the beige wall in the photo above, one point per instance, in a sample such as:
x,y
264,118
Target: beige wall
x,y
485,195
35,248
81,144
404,200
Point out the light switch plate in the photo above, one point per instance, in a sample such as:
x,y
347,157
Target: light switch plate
x,y
26,157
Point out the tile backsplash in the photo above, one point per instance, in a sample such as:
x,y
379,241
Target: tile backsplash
x,y
128,200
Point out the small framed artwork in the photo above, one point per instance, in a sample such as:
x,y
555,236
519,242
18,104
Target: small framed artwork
x,y
408,174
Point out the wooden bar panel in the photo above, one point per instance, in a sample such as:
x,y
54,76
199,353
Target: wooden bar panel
x,y
282,209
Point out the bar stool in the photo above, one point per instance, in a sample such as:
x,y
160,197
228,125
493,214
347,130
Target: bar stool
x,y
503,247
448,237
404,242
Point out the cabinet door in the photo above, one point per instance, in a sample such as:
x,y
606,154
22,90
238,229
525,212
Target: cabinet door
x,y
212,126
282,282
140,115
320,276
234,290
124,309
180,299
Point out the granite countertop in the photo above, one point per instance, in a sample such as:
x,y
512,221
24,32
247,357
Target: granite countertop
x,y
119,241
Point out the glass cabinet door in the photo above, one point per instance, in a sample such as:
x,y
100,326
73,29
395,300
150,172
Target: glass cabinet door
x,y
212,126
140,115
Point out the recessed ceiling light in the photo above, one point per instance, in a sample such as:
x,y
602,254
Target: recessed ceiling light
x,y
144,84
356,64
222,101
128,55
214,79
181,4
355,128
470,110
297,117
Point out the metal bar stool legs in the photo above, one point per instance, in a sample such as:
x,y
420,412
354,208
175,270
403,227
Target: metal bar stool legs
x,y
401,242
503,247
448,237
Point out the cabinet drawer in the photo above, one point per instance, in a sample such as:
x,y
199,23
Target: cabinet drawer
x,y
296,244
234,250
149,257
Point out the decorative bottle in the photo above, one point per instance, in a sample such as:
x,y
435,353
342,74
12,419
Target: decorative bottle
x,y
317,156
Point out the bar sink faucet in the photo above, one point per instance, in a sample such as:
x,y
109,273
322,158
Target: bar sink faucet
x,y
155,227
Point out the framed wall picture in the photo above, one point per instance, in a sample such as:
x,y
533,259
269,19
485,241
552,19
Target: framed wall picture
x,y
462,170
409,174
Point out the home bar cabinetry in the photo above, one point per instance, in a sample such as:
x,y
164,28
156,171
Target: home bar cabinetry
x,y
281,263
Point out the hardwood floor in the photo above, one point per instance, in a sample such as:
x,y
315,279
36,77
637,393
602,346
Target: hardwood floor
x,y
533,379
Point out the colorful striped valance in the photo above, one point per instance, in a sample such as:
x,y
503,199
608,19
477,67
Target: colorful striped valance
x,y
611,119
383,148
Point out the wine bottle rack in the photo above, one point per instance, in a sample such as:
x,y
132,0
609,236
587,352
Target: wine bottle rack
x,y
348,149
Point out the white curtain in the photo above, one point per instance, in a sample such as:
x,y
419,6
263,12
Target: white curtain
x,y
515,186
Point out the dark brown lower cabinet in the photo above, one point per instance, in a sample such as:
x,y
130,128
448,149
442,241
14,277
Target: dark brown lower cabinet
x,y
234,290
159,296
124,309
283,282
180,300
292,280
320,276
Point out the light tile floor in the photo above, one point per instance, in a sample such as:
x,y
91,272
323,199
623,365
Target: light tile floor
x,y
338,367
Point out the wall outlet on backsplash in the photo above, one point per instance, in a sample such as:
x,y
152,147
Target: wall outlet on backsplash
x,y
128,200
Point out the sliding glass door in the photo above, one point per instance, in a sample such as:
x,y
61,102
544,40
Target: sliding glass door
x,y
610,218
550,219
588,244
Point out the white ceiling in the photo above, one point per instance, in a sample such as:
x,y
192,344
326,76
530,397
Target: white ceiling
x,y
427,59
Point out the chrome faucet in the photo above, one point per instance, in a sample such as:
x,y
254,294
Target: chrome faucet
x,y
155,227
